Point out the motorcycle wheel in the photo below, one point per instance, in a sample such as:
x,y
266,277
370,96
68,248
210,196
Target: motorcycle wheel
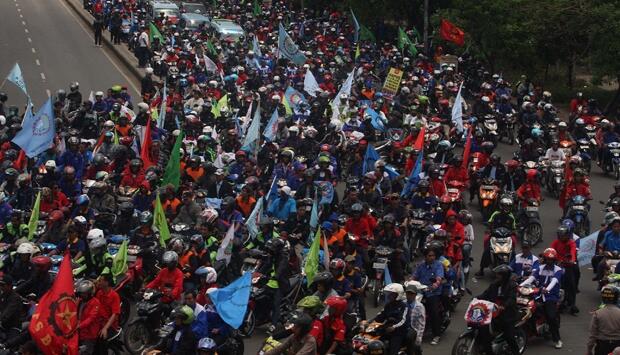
x,y
137,337
521,338
376,293
249,324
533,234
464,346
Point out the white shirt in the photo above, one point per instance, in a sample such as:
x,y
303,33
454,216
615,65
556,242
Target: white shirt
x,y
143,40
469,234
553,155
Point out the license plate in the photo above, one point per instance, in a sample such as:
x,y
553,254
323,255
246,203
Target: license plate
x,y
131,258
488,187
379,266
417,221
453,191
531,209
579,208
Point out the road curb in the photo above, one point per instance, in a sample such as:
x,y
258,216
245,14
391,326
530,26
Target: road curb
x,y
128,59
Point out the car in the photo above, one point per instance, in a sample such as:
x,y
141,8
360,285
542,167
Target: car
x,y
168,8
227,29
193,21
193,7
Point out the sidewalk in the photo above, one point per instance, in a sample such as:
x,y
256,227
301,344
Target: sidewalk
x,y
121,51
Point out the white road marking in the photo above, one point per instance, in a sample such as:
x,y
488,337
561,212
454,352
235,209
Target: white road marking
x,y
19,10
21,16
29,40
33,50
37,61
26,30
42,76
49,93
24,23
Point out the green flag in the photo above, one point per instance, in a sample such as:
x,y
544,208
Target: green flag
x,y
366,34
160,222
257,9
357,51
216,109
287,106
312,260
119,263
211,48
172,174
154,33
34,217
405,42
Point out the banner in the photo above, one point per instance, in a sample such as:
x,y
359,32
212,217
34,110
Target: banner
x,y
392,82
587,249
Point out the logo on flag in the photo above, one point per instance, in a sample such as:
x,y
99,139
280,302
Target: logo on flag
x,y
63,316
42,125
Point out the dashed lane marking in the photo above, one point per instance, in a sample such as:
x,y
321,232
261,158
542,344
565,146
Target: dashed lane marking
x,y
37,62
24,23
29,40
33,50
26,30
42,76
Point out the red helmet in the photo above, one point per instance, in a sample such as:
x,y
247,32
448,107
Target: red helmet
x,y
550,253
337,264
337,303
444,102
532,174
512,164
56,216
325,147
42,262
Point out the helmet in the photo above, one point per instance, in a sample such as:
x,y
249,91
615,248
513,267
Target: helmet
x,y
42,262
441,234
395,288
25,248
274,245
185,313
206,344
210,215
339,304
135,163
197,239
170,258
503,270
505,203
208,273
376,347
580,122
495,158
389,218
357,207
325,277
610,216
424,183
550,254
301,320
311,303
537,132
379,163
94,233
562,230
97,243
146,217
85,286
532,174
445,199
609,294
82,200
487,146
465,217
337,264
568,223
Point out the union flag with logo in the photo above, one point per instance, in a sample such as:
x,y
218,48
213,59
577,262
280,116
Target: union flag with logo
x,y
451,33
55,320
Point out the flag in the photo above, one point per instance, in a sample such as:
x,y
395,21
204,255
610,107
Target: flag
x,y
287,107
294,97
211,48
232,301
21,162
221,103
172,174
357,51
302,30
256,9
162,109
451,33
370,158
252,222
314,214
210,65
252,134
312,259
326,188
405,43
457,111
224,252
116,137
15,76
154,33
256,47
145,154
345,89
356,24
272,127
34,216
119,263
375,120
311,86
467,150
325,253
414,178
392,173
419,140
91,97
366,34
387,278
38,131
55,320
288,49
247,119
160,222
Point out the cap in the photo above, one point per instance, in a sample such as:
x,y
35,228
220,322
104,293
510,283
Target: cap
x,y
286,190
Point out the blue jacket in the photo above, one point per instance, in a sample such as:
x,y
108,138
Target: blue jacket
x,y
76,160
5,212
214,321
282,210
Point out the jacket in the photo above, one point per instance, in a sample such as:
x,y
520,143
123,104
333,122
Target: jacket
x,y
10,308
91,321
504,295
394,314
168,282
293,346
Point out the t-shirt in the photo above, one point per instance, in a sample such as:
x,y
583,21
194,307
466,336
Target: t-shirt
x,y
317,332
110,303
611,242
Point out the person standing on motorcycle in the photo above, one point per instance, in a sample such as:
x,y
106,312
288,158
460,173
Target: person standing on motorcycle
x,y
169,280
549,278
578,186
605,324
525,263
90,317
277,267
567,257
430,273
502,291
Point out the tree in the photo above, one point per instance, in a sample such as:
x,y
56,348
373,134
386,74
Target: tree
x,y
604,34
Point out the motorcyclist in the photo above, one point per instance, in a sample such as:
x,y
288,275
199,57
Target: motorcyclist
x,y
10,306
422,198
110,309
182,339
577,187
604,338
388,235
39,281
431,273
301,340
525,263
610,243
334,326
437,187
314,307
503,217
324,282
494,170
393,316
90,318
416,317
277,268
341,284
549,278
99,258
567,258
21,267
457,171
169,280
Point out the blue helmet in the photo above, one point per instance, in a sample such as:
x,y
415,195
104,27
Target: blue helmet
x,y
82,200
537,132
568,223
183,83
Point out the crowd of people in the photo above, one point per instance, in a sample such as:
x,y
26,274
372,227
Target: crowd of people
x,y
228,136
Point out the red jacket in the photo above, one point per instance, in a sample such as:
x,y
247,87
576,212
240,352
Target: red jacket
x,y
132,180
456,233
91,321
457,173
168,282
575,189
360,228
437,188
567,251
529,191
110,304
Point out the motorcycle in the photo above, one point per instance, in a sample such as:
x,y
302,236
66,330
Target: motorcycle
x,y
611,260
578,211
507,128
142,331
490,129
501,250
417,223
555,179
454,189
532,320
379,264
487,197
531,228
367,333
479,315
586,150
613,160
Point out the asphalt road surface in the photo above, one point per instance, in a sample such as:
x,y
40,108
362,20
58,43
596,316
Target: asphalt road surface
x,y
54,47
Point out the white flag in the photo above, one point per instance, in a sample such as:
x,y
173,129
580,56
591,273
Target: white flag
x,y
16,77
310,84
210,65
254,218
326,251
247,118
345,89
225,250
457,111
91,97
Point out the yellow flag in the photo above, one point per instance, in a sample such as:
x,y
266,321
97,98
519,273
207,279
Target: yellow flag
x,y
34,217
287,106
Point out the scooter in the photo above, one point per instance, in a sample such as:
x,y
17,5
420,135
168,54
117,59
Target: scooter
x,y
142,331
613,163
487,197
531,228
490,129
379,264
507,128
367,333
555,179
532,321
501,249
578,212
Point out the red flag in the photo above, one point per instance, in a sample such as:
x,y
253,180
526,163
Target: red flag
x,y
55,320
451,33
467,149
20,163
419,141
145,154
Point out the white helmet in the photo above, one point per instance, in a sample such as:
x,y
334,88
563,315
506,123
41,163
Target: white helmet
x,y
25,248
143,107
395,288
208,273
94,233
2,120
209,214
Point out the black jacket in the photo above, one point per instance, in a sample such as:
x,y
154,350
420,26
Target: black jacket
x,y
10,308
500,172
394,314
504,295
225,190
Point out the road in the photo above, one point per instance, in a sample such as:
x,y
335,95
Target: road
x,y
54,48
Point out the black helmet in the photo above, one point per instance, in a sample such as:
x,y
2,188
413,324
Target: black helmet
x,y
99,159
146,217
228,201
325,277
302,321
389,218
135,163
495,158
376,347
424,183
3,96
503,270
274,245
487,146
126,207
563,230
609,294
116,107
502,233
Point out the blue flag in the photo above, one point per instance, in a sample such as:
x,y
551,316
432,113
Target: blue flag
x,y
16,77
38,131
392,173
302,30
162,108
252,135
356,36
272,127
252,222
326,189
231,301
288,49
387,278
375,120
370,158
294,97
256,47
314,215
414,178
